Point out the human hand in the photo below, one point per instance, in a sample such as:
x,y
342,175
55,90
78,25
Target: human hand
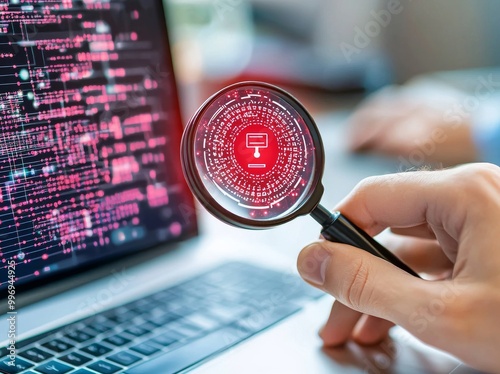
x,y
448,222
396,123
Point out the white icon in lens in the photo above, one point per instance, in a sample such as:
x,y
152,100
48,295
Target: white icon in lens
x,y
257,140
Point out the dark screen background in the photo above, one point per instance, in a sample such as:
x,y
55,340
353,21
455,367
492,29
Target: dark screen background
x,y
90,133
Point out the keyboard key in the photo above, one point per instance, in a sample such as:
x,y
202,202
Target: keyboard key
x,y
75,359
57,345
147,326
144,305
103,327
82,371
100,323
53,367
124,358
104,367
162,320
89,331
112,313
19,365
36,354
164,296
145,349
136,331
78,336
124,315
166,338
117,340
96,349
189,354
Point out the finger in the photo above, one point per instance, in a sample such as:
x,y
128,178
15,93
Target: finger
x,y
362,281
364,129
376,119
369,119
406,200
340,325
395,135
419,231
371,330
384,95
371,128
422,255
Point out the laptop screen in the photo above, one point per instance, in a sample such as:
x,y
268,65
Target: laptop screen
x,y
90,133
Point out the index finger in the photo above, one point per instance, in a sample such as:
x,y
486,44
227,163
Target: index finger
x,y
406,200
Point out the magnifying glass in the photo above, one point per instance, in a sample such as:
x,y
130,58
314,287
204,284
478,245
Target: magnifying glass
x,y
253,157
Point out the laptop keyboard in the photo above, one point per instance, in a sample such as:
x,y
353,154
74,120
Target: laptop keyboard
x,y
170,330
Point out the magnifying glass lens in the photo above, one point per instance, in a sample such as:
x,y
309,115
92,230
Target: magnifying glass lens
x,y
253,157
253,153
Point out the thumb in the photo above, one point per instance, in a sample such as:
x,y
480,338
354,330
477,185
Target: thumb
x,y
363,282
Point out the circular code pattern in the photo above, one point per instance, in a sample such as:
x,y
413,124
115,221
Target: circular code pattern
x,y
254,153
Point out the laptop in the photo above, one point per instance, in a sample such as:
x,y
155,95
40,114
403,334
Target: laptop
x,y
103,266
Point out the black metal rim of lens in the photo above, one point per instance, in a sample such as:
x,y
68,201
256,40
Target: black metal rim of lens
x,y
195,183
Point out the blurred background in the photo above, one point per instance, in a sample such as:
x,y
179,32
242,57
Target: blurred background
x,y
331,45
331,54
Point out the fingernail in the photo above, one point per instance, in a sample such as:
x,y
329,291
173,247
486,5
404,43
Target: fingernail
x,y
313,262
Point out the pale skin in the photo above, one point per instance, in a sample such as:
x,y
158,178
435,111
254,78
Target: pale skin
x,y
396,124
447,227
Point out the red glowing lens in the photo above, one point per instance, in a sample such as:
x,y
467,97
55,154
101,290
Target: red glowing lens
x,y
254,150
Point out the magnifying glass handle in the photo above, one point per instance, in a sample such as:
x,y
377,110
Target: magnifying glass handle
x,y
337,228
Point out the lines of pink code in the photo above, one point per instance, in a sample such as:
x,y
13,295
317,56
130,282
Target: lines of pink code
x,y
86,150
